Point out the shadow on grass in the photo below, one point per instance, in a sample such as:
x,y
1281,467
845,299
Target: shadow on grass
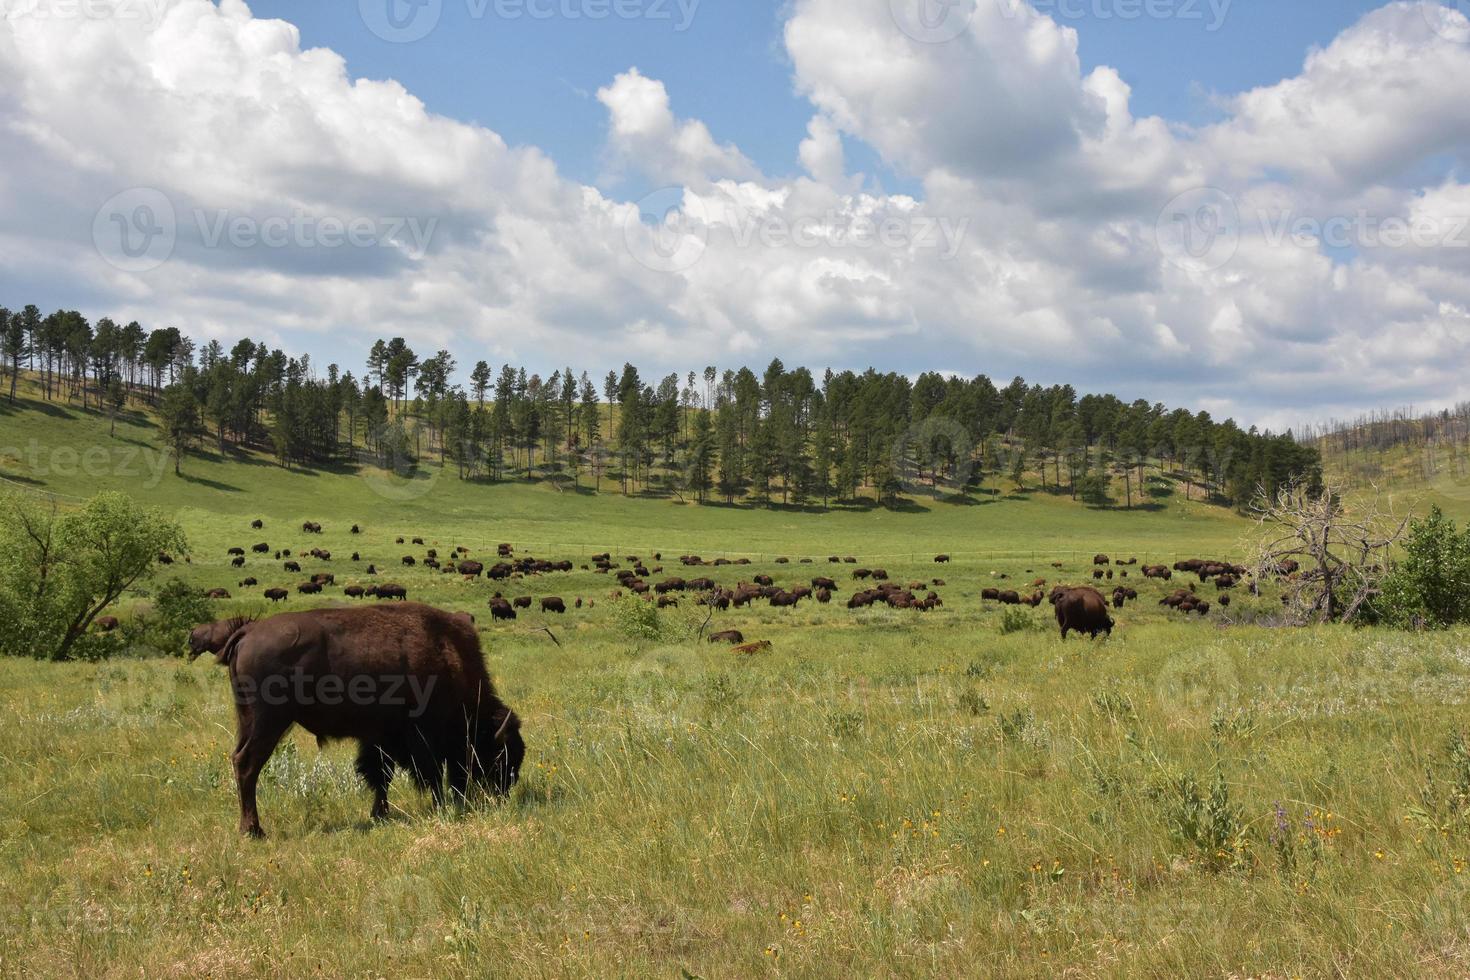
x,y
204,481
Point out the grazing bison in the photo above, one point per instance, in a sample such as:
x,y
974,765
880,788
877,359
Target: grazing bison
x,y
105,624
941,559
500,609
391,591
824,596
276,595
409,561
991,595
727,636
311,527
353,592
408,683
522,602
553,604
821,582
471,568
217,594
1084,610
309,588
257,524
292,566
238,561
236,551
1101,560
356,529
261,549
246,582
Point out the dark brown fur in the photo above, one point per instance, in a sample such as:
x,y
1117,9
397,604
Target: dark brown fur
x,y
433,710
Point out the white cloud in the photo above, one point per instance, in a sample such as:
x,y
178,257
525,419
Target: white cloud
x,y
646,136
1032,248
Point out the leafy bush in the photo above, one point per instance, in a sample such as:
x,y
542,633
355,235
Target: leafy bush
x,y
1204,820
177,609
638,620
1016,620
59,569
1429,585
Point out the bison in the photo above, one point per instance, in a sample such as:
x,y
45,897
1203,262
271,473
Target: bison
x,y
257,524
941,559
727,636
261,549
105,624
276,595
408,683
391,591
500,609
553,604
1084,610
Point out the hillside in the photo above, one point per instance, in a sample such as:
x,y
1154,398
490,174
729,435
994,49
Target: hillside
x,y
65,450
1425,458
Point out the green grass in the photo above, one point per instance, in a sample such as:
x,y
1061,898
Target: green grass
x,y
923,794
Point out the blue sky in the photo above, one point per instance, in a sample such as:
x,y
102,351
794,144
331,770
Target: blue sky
x,y
534,80
1036,216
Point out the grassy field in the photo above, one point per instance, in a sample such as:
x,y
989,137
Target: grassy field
x,y
883,793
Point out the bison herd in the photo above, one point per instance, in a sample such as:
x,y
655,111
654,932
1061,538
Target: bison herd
x,y
442,722
1078,608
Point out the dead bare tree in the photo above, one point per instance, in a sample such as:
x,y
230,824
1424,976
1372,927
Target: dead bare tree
x,y
1330,550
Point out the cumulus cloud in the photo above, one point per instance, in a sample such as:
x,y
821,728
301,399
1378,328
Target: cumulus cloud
x,y
1034,246
645,135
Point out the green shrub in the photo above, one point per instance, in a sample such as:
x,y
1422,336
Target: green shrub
x,y
638,620
1016,619
1428,586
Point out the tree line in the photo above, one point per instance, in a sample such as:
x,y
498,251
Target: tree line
x,y
785,435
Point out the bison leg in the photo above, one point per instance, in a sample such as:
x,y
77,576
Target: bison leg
x,y
376,769
259,736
